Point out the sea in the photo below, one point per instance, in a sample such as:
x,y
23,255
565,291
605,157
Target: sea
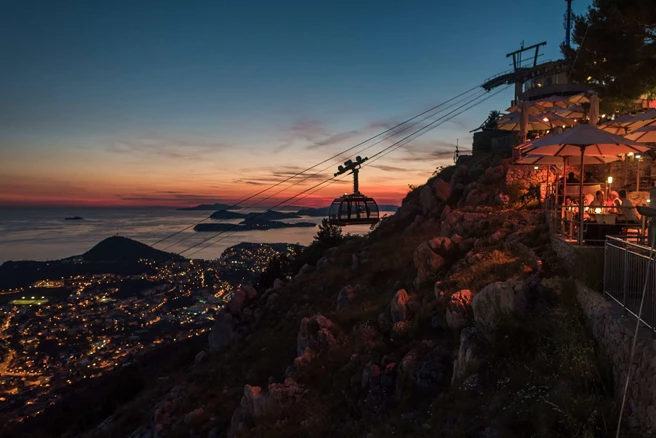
x,y
44,234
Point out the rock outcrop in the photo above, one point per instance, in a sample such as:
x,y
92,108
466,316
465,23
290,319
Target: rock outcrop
x,y
468,359
458,309
399,310
222,334
498,301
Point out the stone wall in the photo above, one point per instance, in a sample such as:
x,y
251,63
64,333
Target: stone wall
x,y
626,173
614,335
525,177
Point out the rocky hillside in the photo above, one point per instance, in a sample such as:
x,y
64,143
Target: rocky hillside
x,y
452,318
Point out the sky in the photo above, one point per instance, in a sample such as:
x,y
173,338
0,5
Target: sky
x,y
111,103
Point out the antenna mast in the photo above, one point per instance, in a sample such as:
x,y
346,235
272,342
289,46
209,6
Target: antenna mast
x,y
568,23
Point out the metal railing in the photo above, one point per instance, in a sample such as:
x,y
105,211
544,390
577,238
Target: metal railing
x,y
625,273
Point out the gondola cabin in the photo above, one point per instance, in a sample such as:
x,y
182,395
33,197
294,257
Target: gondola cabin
x,y
353,210
356,208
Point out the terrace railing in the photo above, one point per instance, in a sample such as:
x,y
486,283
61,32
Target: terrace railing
x,y
625,272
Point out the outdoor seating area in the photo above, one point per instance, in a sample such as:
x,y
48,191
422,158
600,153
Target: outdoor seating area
x,y
582,209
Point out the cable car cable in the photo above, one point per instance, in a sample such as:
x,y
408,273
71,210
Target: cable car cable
x,y
393,134
320,163
380,154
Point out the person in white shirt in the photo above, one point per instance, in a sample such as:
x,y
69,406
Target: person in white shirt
x,y
629,212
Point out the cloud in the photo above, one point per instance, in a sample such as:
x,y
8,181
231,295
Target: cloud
x,y
388,168
167,147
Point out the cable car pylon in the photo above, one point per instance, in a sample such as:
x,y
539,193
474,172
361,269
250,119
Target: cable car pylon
x,y
356,208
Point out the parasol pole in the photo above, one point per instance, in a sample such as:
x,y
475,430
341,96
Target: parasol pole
x,y
582,207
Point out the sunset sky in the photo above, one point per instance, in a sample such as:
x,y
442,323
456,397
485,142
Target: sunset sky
x,y
180,102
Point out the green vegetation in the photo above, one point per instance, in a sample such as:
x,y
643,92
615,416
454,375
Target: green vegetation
x,y
616,51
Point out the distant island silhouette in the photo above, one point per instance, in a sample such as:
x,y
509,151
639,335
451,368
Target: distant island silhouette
x,y
73,218
208,207
122,249
268,215
251,225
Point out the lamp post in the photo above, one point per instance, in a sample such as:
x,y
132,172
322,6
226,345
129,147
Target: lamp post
x,y
637,158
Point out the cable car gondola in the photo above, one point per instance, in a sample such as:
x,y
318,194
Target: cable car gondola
x,y
356,208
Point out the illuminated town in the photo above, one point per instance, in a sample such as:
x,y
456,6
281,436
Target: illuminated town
x,y
58,332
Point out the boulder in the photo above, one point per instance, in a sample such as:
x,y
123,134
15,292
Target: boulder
x,y
457,309
498,301
399,306
314,333
200,357
442,245
251,292
222,334
237,302
468,359
306,269
194,418
345,296
271,300
277,283
426,199
426,262
442,189
426,369
254,402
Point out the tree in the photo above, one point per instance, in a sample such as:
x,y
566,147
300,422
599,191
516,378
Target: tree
x,y
616,51
328,234
492,121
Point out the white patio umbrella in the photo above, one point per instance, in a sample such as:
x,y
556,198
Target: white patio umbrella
x,y
536,160
582,141
513,121
552,101
532,108
646,134
555,119
571,112
614,128
644,119
579,98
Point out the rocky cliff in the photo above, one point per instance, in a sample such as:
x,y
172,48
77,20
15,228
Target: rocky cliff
x,y
450,319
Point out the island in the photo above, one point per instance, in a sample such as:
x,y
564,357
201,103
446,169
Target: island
x,y
323,211
73,218
251,225
268,215
206,207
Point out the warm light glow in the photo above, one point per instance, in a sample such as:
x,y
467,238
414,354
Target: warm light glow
x,y
610,180
589,78
598,210
638,157
545,119
630,154
535,167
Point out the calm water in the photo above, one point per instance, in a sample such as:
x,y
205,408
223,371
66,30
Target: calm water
x,y
43,234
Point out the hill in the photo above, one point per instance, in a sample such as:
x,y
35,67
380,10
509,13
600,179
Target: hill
x,y
122,249
452,318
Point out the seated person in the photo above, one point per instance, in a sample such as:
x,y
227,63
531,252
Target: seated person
x,y
598,203
629,212
571,179
614,201
589,178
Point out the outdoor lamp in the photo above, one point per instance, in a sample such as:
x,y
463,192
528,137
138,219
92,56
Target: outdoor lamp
x,y
610,180
630,154
535,167
638,157
597,210
545,119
